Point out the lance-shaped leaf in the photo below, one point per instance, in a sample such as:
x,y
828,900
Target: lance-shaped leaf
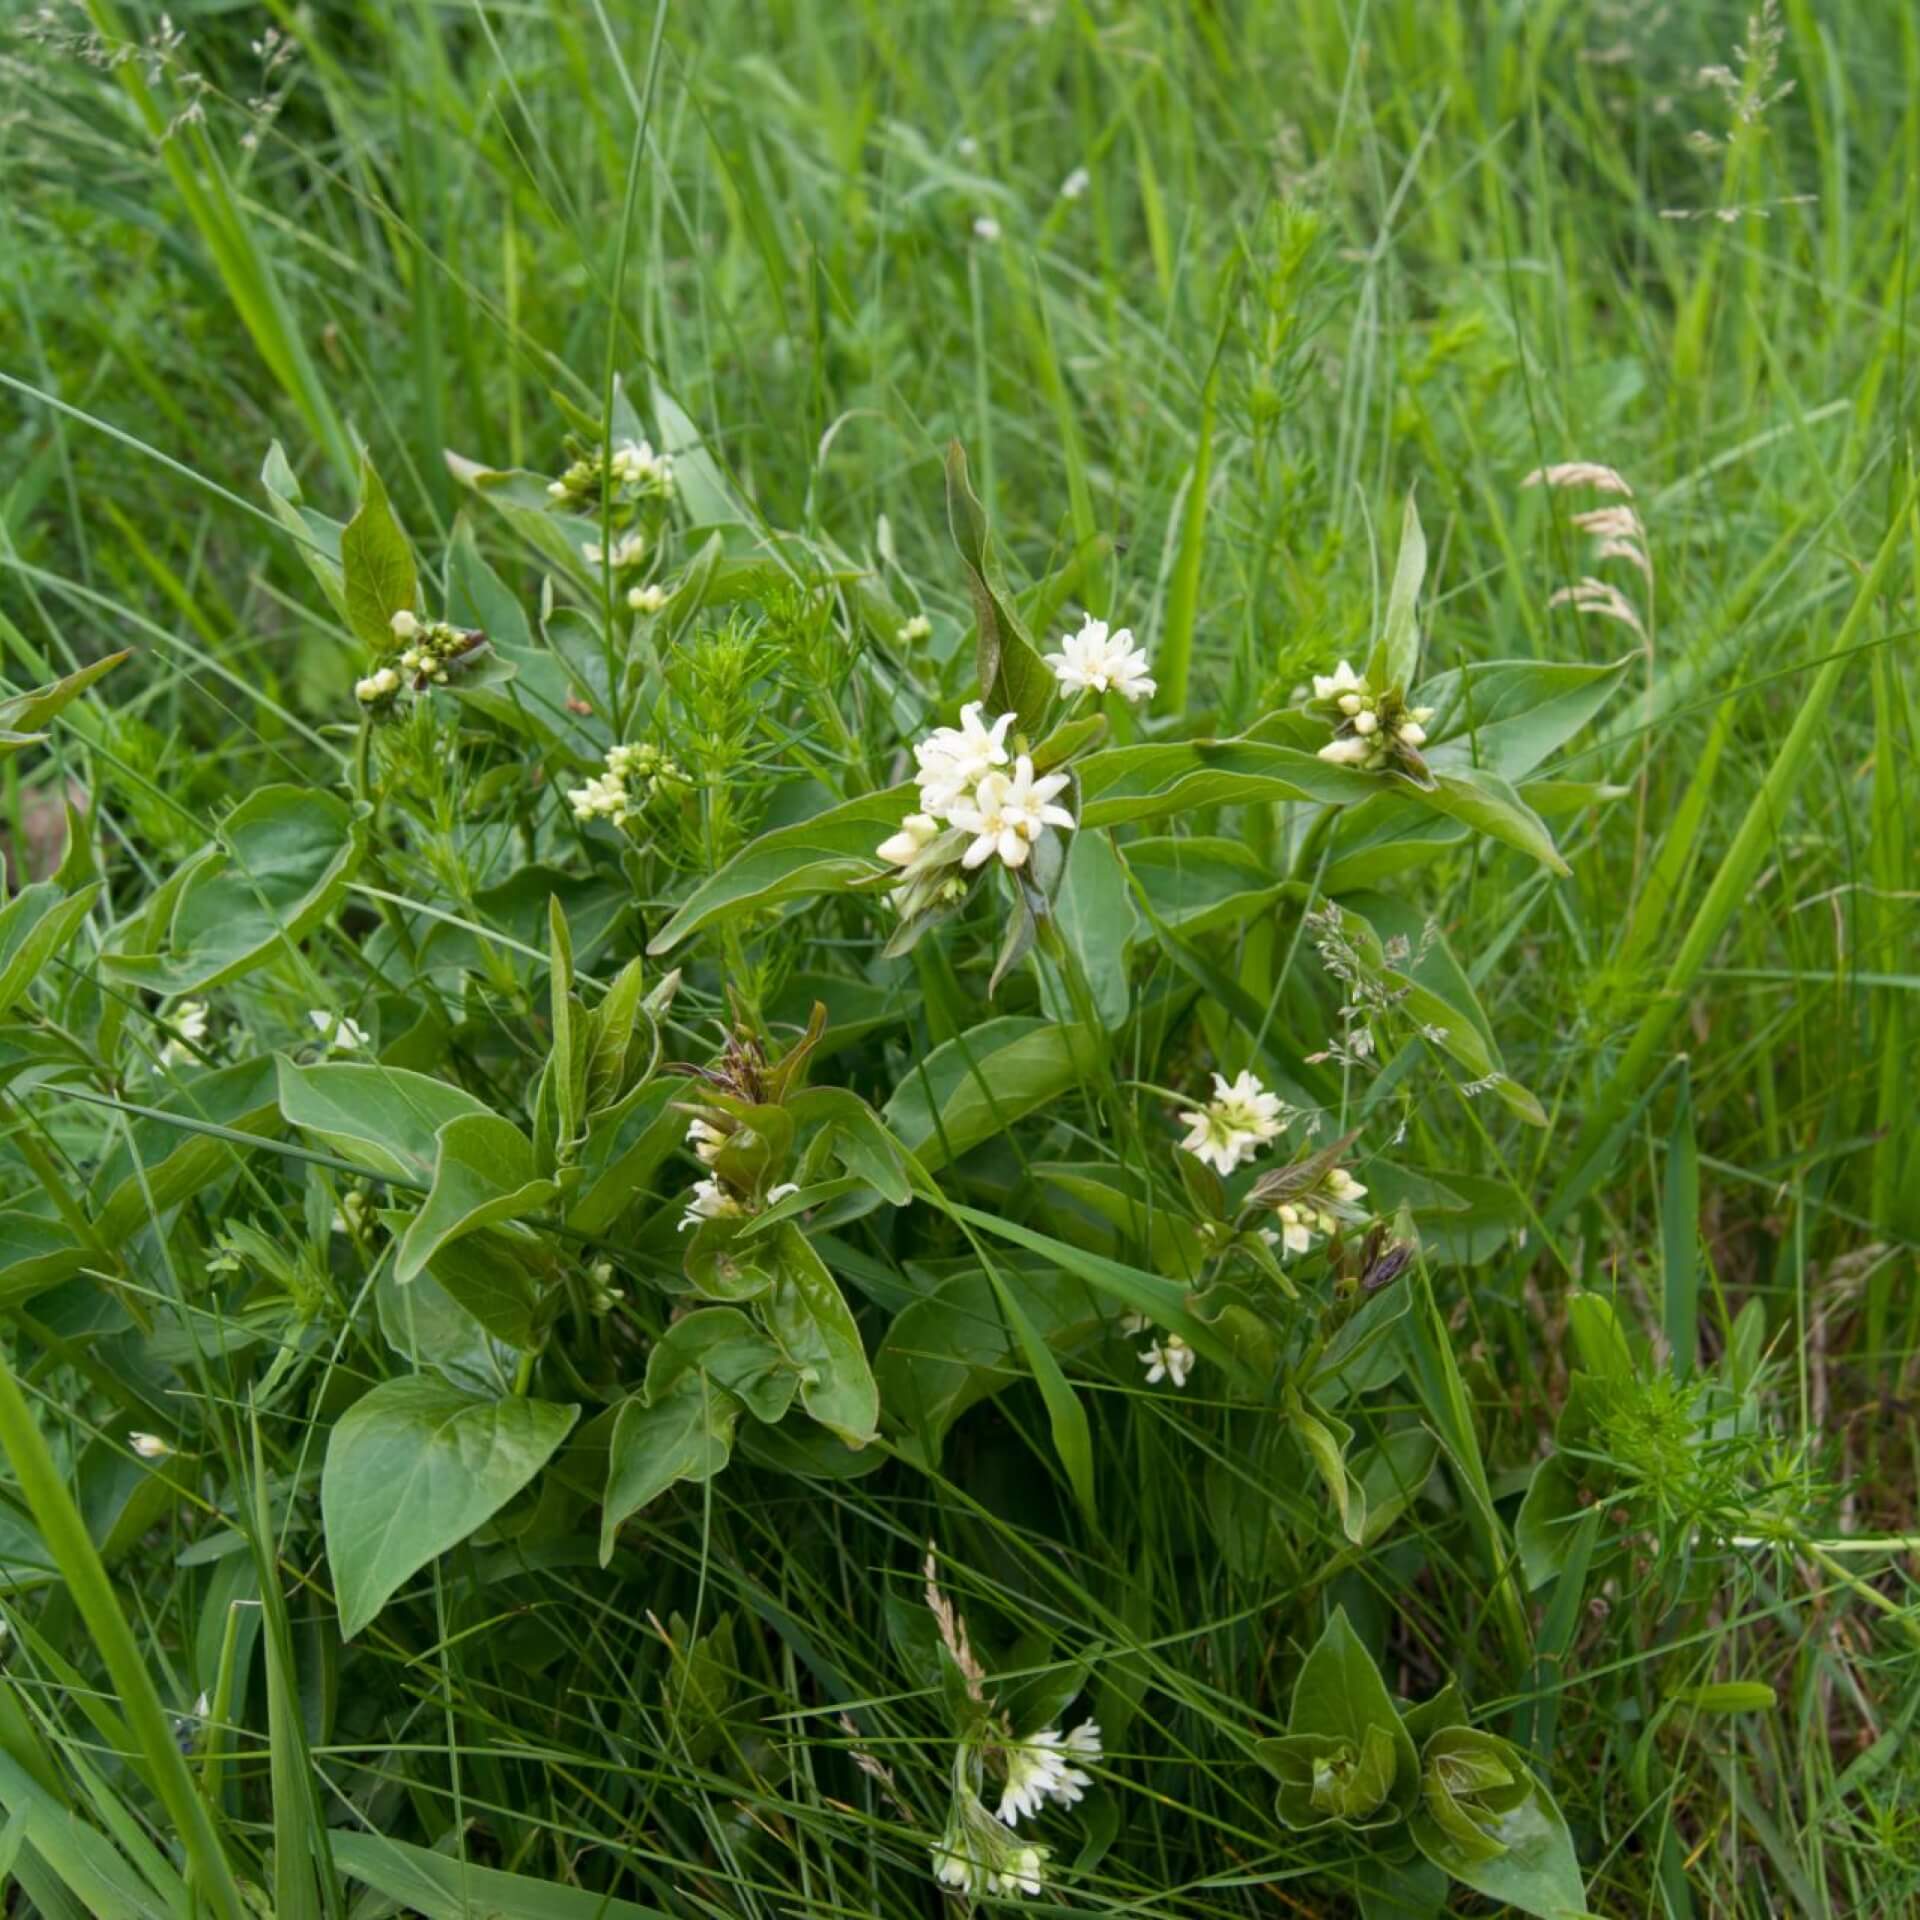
x,y
23,716
1013,677
1345,1759
1396,651
809,1318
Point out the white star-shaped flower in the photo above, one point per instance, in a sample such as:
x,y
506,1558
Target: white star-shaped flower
x,y
1007,816
953,760
1098,660
1235,1124
1169,1358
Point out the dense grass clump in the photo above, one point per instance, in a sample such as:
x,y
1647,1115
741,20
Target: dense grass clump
x,y
959,956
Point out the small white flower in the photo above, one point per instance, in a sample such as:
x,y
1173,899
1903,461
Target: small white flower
x,y
706,1140
149,1446
986,227
1097,660
711,1201
776,1194
190,1019
341,1034
1348,752
648,599
557,490
1295,1235
1412,733
1075,184
1008,815
376,686
1020,1873
1343,679
918,628
1169,1358
953,1869
405,626
628,551
905,847
1235,1124
953,760
1365,722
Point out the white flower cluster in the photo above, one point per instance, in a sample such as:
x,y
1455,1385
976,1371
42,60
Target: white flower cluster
x,y
190,1020
1040,1768
429,650
972,810
632,468
648,599
712,1200
914,629
1099,660
1368,724
633,776
1240,1119
1166,1356
1336,1199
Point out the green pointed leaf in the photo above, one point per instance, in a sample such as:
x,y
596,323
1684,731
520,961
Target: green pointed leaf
x,y
412,1468
809,1317
687,1434
1013,677
1486,1820
1488,804
1396,652
483,1174
279,867
376,1116
376,565
23,716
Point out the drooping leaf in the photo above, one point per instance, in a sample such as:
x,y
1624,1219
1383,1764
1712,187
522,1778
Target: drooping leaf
x,y
376,1116
1013,678
24,716
412,1468
1511,716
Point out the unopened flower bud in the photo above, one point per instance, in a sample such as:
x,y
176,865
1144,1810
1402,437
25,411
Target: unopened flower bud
x,y
405,625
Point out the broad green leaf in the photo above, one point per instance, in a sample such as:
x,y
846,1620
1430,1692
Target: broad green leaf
x,y
377,565
35,927
1505,1837
1510,716
1396,651
379,1117
24,716
159,1162
1548,1519
1094,913
412,1468
727,1347
1196,885
1013,678
522,502
952,1349
808,1315
1344,1739
1131,785
441,1887
832,849
1490,806
1326,1441
686,1434
1392,1474
35,1253
315,535
483,1174
983,1080
281,863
